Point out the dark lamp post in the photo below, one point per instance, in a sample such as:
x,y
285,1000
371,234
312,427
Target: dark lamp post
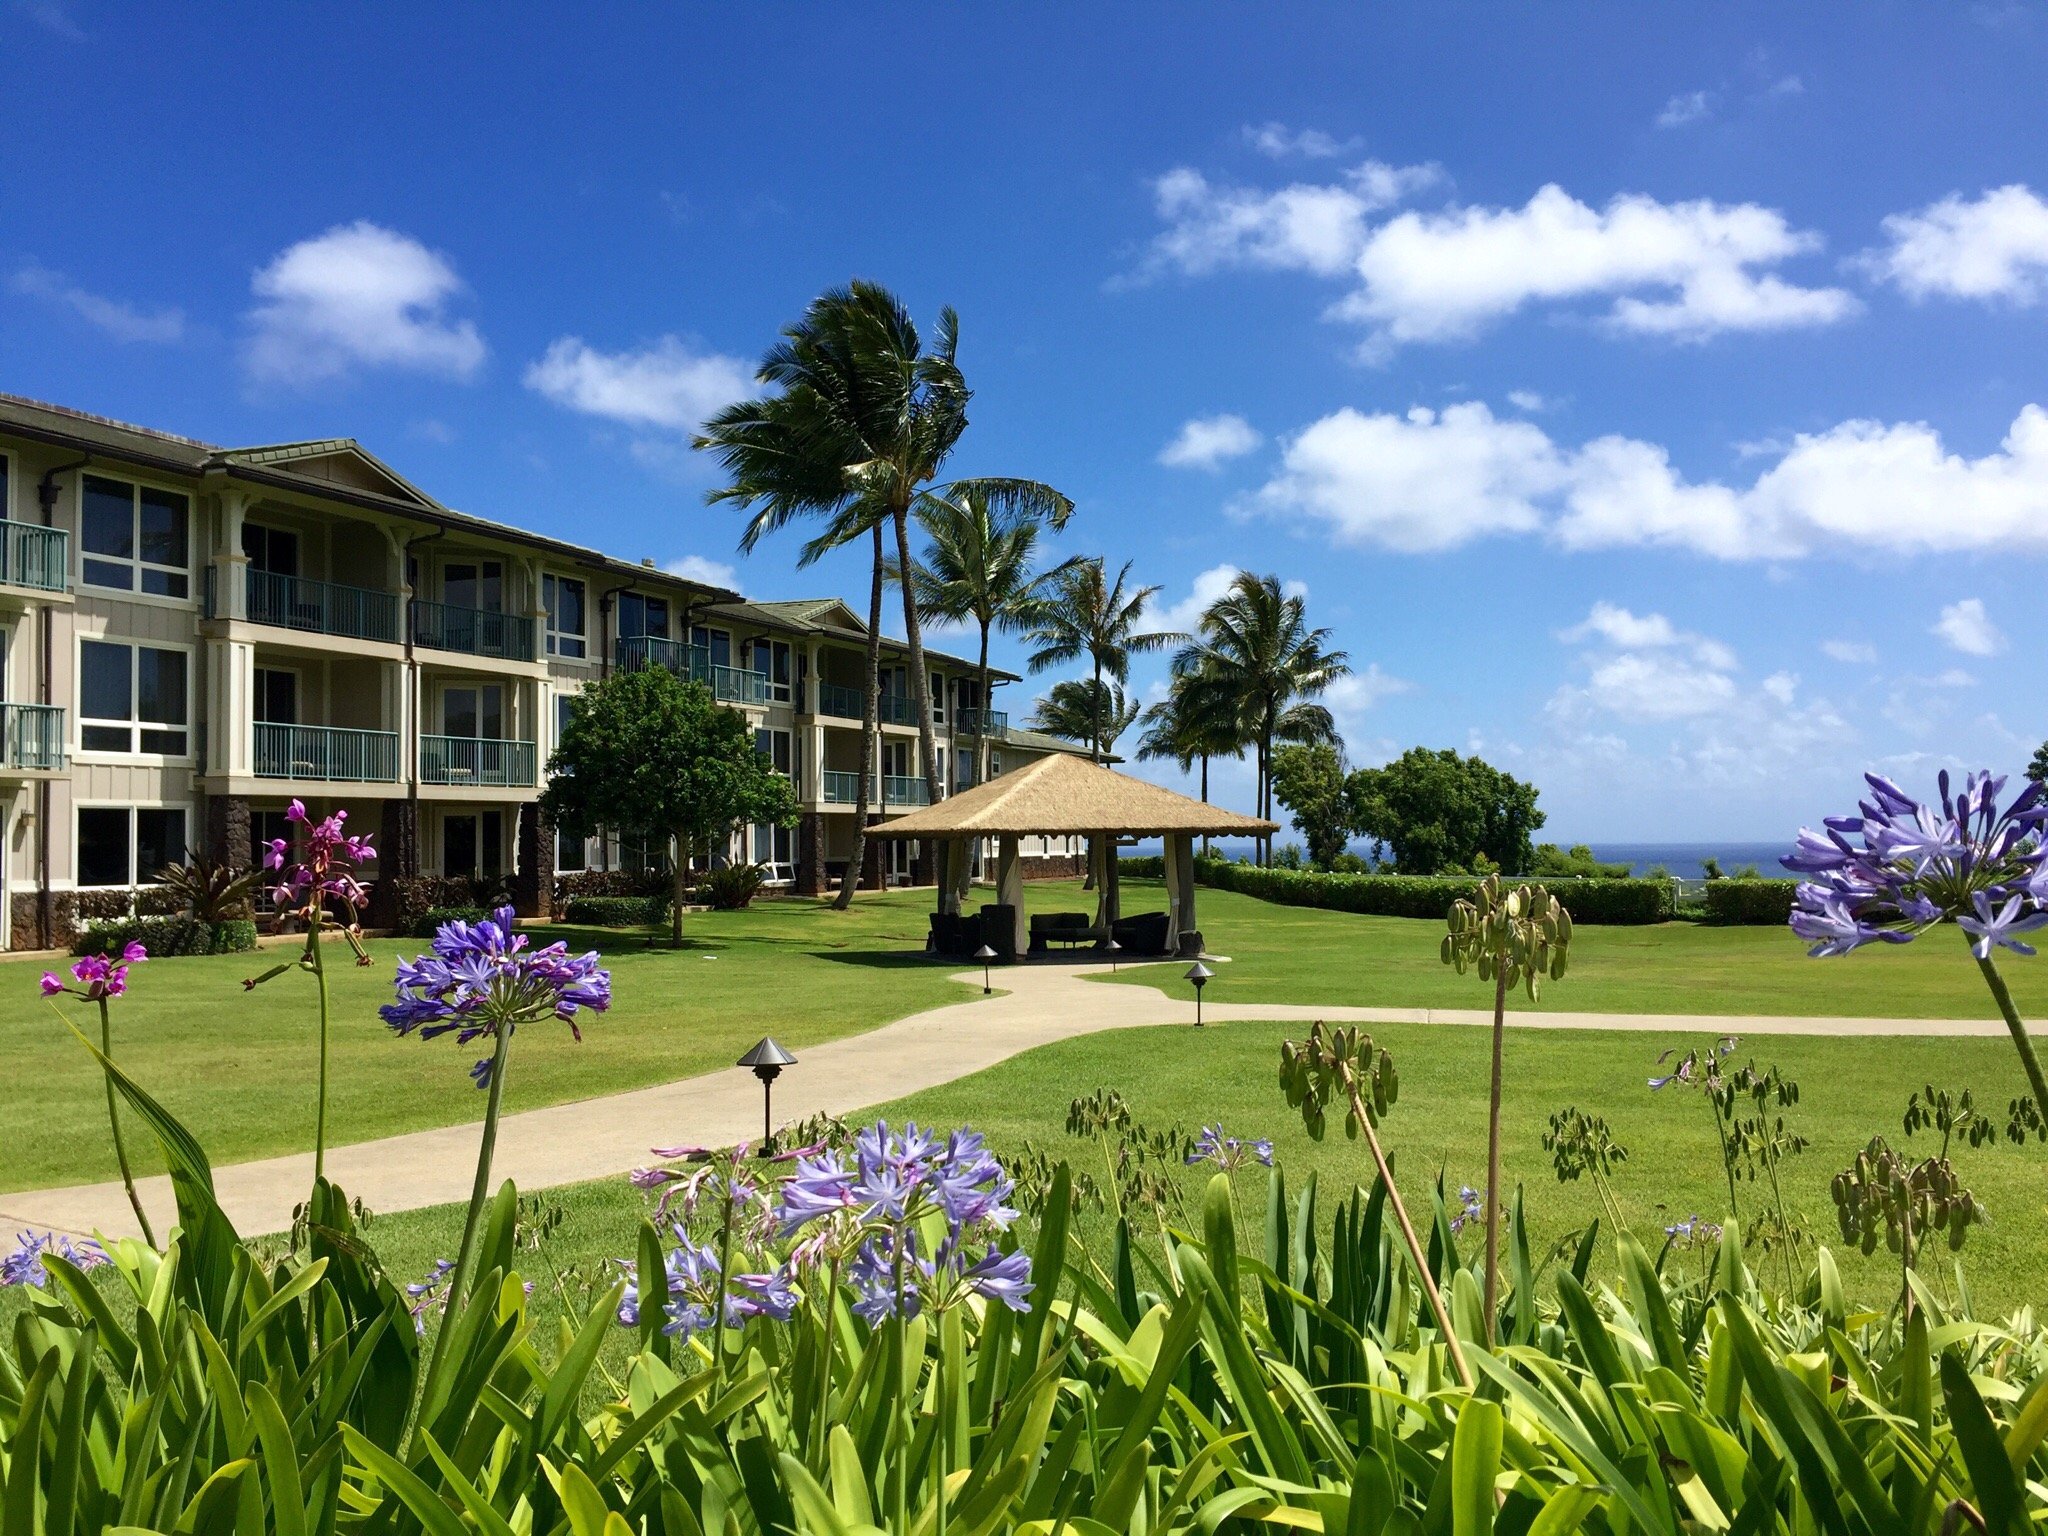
x,y
766,1061
1114,949
986,956
1199,974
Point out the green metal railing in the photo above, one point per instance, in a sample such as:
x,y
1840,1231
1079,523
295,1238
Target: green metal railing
x,y
322,607
896,709
474,631
840,703
993,723
633,652
840,788
326,753
900,790
32,735
477,760
34,556
738,685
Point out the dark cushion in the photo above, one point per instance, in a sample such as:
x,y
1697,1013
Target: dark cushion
x,y
998,930
1142,933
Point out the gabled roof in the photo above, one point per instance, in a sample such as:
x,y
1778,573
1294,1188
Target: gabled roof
x,y
828,616
309,459
1064,795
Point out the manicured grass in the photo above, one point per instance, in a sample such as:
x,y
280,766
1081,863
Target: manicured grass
x,y
1851,1090
1301,955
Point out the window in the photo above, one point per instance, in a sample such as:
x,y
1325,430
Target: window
x,y
772,846
716,641
562,596
474,713
473,845
938,699
5,504
132,698
779,748
128,845
640,615
645,852
275,550
572,854
478,584
136,538
771,659
277,696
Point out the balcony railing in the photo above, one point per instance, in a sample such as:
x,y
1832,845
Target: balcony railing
x,y
977,722
477,760
34,556
840,703
473,631
840,788
900,790
322,607
326,753
633,652
738,685
896,709
32,736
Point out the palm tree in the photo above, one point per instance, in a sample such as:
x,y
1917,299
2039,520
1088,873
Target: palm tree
x,y
1256,662
1089,615
1176,731
1094,712
864,419
978,568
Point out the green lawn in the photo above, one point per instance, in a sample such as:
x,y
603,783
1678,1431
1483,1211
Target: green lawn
x,y
1300,955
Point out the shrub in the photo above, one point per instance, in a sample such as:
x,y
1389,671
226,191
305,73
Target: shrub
x,y
610,882
1754,903
166,937
731,886
431,921
1430,896
615,911
211,892
1149,866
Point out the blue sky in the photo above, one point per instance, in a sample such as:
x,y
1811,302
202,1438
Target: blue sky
x,y
1657,409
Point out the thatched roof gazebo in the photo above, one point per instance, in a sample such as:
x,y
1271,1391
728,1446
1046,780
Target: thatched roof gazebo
x,y
1063,795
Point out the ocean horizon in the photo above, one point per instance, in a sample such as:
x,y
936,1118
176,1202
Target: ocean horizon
x,y
1684,861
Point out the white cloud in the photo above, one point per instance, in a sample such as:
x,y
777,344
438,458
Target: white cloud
x,y
359,295
668,384
1277,141
1781,686
1207,441
1966,627
712,573
1616,626
1528,400
1995,247
1301,228
1350,699
1431,481
1446,276
1185,616
1686,107
122,321
1860,653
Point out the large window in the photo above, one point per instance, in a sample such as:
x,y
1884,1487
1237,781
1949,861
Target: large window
x,y
779,747
772,847
562,596
572,853
136,538
133,698
6,505
640,615
128,845
771,659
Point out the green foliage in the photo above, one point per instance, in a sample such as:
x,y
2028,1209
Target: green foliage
x,y
1092,711
213,893
731,886
2037,768
1594,901
434,919
616,911
166,937
1576,862
1438,812
1757,903
1309,782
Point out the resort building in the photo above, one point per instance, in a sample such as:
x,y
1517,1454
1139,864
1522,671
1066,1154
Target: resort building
x,y
192,636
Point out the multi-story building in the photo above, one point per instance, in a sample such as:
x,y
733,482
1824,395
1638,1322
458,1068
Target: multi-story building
x,y
192,636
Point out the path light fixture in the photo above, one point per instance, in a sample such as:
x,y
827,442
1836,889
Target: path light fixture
x,y
986,956
1199,974
1114,949
766,1061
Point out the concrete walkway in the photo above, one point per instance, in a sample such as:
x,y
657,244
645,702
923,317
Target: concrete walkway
x,y
596,1138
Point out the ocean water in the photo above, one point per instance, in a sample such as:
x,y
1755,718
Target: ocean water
x,y
1686,861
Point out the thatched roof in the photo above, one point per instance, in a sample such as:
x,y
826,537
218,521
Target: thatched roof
x,y
1062,795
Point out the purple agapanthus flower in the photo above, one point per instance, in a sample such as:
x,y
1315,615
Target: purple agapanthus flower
x,y
1470,1208
24,1266
1899,867
1228,1152
481,978
694,1290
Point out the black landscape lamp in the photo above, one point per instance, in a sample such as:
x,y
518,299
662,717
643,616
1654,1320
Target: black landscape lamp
x,y
1199,974
1114,949
766,1061
986,956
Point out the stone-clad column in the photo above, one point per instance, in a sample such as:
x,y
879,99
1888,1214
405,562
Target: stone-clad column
x,y
533,882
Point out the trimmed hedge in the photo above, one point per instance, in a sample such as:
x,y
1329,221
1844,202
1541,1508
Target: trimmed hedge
x,y
1427,896
1149,866
166,937
616,911
432,920
1754,903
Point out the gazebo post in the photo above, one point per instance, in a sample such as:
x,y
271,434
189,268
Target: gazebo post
x,y
1112,889
1174,852
946,854
1010,886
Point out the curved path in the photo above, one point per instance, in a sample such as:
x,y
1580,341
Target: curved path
x,y
596,1138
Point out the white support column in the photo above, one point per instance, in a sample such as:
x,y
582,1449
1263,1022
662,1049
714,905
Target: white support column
x,y
1175,853
230,565
1184,885
231,707
950,854
1010,887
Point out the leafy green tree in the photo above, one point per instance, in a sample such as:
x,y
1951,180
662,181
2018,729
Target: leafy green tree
x,y
1089,615
1575,862
1309,782
863,419
1438,812
1083,709
1256,663
1177,731
648,751
2037,770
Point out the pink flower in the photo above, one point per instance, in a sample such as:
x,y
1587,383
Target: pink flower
x,y
51,985
97,976
135,953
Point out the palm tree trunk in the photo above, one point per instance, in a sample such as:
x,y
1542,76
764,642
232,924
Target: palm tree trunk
x,y
870,706
921,682
1205,799
981,714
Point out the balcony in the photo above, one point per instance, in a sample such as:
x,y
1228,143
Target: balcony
x,y
477,760
738,685
472,631
32,737
896,709
993,723
632,653
840,788
897,789
840,703
35,557
325,753
319,607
